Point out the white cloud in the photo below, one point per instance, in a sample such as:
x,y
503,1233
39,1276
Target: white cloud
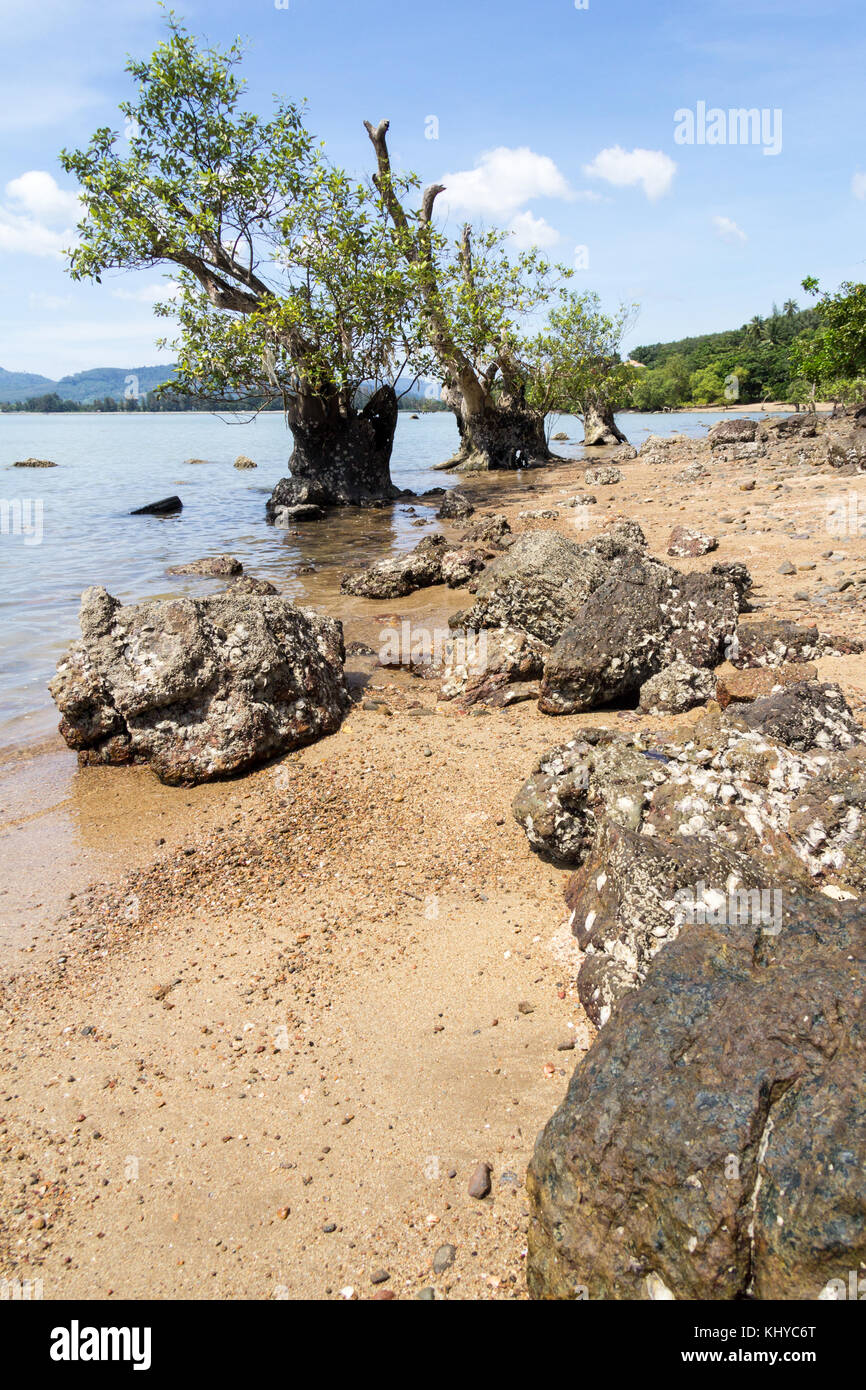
x,y
38,300
653,169
150,294
530,231
858,186
728,230
503,180
38,218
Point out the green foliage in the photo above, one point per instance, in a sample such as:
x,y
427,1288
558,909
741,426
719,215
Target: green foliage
x,y
575,365
832,357
286,278
758,355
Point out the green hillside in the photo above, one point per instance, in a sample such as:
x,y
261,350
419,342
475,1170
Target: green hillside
x,y
695,370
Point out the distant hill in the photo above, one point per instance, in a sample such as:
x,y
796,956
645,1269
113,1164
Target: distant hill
x,y
83,387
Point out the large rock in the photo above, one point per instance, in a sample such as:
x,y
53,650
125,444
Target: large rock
x,y
712,1143
805,715
799,812
538,586
198,688
677,688
644,618
433,561
492,667
739,431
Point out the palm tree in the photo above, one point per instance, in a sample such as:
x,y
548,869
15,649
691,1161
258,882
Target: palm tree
x,y
755,329
789,308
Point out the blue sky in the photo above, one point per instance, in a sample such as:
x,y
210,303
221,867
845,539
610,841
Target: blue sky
x,y
554,121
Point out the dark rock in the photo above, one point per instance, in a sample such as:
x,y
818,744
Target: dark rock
x,y
166,507
806,715
632,627
455,505
247,584
487,530
381,1276
34,463
711,1144
739,431
198,688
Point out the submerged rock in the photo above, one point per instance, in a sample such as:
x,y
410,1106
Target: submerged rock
x,y
198,688
165,507
34,463
211,567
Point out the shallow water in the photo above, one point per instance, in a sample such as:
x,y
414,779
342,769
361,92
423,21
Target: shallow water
x,y
82,534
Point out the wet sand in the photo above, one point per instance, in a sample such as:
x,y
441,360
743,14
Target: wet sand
x,y
303,999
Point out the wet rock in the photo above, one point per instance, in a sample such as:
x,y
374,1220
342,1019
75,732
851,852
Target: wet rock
x,y
459,567
677,688
167,506
285,517
687,542
248,584
198,688
711,1143
212,567
400,574
633,626
455,505
243,462
34,463
602,477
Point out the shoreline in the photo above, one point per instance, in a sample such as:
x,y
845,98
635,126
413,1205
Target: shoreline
x,y
257,1051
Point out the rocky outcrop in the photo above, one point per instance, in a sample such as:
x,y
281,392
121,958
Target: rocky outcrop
x,y
34,463
735,431
433,561
602,477
198,688
538,586
805,715
242,462
711,1144
643,618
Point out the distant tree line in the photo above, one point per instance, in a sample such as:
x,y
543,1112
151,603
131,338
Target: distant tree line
x,y
52,403
793,354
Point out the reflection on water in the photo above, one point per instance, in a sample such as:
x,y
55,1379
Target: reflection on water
x,y
109,464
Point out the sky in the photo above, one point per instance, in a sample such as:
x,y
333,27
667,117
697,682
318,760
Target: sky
x,y
600,130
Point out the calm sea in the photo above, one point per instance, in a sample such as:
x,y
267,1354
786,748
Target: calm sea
x,y
82,534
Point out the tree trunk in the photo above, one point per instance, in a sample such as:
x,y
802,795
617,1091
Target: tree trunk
x,y
341,457
499,435
599,427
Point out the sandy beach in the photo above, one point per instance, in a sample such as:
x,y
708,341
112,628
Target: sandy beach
x,y
257,1036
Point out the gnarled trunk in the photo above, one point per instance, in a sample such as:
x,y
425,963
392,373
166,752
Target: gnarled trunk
x,y
599,427
342,457
498,435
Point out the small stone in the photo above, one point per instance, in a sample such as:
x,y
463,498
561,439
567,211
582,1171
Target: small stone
x,y
524,1007
426,1296
786,568
444,1258
330,1228
567,1045
381,1276
479,1183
